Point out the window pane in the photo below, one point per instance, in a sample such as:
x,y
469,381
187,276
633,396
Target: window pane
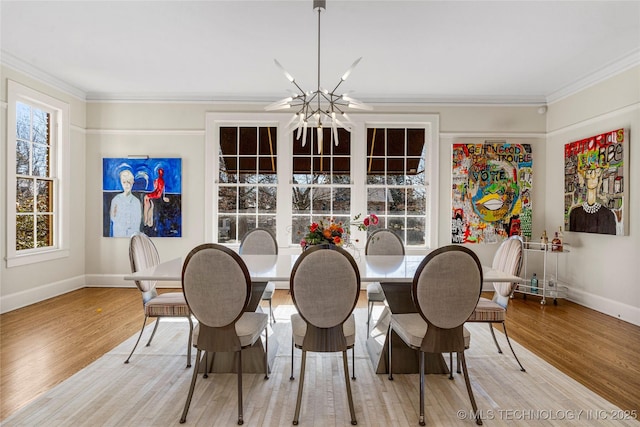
x,y
415,142
416,201
227,199
342,201
268,138
397,225
226,228
246,223
267,199
301,202
228,141
40,126
45,230
415,231
22,157
44,199
268,166
395,142
247,200
24,232
23,121
248,141
376,200
24,195
397,202
321,200
40,160
228,167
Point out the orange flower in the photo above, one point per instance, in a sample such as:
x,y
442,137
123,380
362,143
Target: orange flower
x,y
326,233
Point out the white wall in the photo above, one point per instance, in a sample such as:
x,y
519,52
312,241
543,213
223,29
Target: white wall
x,y
604,271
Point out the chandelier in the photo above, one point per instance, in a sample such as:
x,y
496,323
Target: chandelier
x,y
320,107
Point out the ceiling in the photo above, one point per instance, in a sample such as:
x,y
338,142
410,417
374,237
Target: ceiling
x,y
413,51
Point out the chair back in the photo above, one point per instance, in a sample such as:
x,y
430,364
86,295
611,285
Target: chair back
x,y
384,242
142,255
216,285
325,285
446,289
258,241
508,258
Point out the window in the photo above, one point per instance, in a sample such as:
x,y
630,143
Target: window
x,y
396,183
247,177
37,138
386,165
321,181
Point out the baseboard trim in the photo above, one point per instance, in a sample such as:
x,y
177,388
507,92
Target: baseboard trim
x,y
24,298
607,306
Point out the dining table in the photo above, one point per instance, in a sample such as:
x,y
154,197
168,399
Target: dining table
x,y
395,274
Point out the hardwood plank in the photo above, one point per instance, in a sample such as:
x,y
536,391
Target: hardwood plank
x,y
43,344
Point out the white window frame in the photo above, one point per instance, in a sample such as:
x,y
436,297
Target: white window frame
x,y
430,122
60,174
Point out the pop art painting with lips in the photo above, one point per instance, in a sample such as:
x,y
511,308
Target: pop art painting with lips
x,y
491,192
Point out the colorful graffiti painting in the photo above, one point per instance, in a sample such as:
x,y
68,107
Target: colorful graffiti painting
x,y
142,195
594,187
491,192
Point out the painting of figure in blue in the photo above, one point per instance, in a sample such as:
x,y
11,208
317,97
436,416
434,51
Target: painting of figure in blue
x,y
142,195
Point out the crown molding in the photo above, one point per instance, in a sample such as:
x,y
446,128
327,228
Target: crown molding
x,y
10,61
607,71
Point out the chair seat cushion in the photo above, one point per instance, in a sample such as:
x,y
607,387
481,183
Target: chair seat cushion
x,y
375,292
248,327
268,290
299,328
171,304
412,328
488,311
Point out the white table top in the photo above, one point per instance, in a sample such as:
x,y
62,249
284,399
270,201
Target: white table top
x,y
277,268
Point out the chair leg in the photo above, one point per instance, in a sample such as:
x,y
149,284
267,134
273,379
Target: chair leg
x,y
190,341
348,383
291,377
266,354
451,365
353,362
193,385
421,419
494,337
240,419
296,417
504,327
144,322
389,347
155,328
466,380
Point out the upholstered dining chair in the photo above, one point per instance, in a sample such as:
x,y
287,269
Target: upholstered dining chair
x,y
325,284
446,288
260,241
219,301
380,242
508,258
142,255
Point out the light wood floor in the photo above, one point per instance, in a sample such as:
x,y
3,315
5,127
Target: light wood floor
x,y
44,344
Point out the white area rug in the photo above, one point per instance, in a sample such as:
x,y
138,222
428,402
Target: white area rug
x,y
151,390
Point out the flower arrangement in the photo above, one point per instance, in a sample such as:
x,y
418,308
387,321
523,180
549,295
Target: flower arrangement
x,y
335,233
